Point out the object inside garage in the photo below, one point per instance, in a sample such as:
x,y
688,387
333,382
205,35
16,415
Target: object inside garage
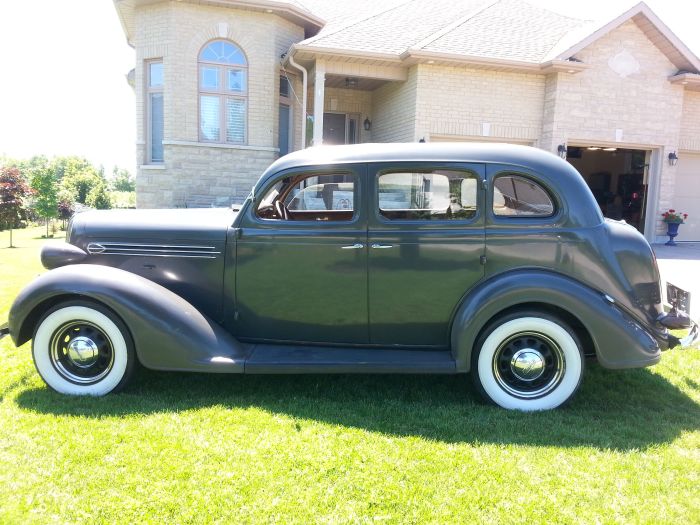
x,y
618,178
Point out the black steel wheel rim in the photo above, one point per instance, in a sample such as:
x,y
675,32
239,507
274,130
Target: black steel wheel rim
x,y
81,352
528,365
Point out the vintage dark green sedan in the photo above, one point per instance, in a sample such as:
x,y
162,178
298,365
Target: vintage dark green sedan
x,y
377,258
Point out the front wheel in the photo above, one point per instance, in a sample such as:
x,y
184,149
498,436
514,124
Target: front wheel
x,y
527,361
80,348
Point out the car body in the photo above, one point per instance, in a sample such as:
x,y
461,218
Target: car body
x,y
375,258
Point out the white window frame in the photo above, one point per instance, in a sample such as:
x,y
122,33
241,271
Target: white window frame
x,y
223,93
150,91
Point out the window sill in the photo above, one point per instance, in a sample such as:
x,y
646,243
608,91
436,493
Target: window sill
x,y
217,145
152,167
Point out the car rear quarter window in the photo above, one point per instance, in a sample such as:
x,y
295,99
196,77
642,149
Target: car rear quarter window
x,y
518,196
427,195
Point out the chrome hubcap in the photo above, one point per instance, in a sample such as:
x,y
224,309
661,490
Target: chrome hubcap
x,y
527,364
83,352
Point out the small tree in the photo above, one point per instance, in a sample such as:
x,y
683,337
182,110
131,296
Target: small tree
x,y
13,190
122,180
65,210
81,184
45,188
99,197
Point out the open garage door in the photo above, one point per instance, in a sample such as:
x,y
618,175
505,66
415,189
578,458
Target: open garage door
x,y
687,195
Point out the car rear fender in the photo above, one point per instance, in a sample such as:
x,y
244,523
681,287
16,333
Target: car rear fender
x,y
168,332
618,340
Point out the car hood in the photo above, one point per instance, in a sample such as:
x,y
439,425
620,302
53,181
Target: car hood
x,y
160,225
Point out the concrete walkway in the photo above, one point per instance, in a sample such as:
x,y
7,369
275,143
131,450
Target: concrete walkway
x,y
680,265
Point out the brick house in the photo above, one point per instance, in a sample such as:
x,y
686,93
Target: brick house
x,y
222,87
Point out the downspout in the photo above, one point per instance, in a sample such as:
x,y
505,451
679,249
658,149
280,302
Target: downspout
x,y
304,81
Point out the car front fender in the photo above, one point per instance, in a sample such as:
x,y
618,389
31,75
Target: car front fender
x,y
619,340
168,332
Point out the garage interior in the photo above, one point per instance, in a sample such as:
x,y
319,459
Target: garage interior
x,y
618,179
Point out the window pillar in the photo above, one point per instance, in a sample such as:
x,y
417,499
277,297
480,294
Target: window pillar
x,y
319,94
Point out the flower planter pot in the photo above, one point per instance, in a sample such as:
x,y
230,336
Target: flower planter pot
x,y
672,231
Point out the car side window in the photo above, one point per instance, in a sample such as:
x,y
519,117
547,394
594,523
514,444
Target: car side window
x,y
310,197
427,195
518,196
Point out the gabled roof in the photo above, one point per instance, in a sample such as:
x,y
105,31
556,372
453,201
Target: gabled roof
x,y
652,26
512,33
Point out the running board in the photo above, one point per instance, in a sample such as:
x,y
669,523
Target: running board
x,y
281,359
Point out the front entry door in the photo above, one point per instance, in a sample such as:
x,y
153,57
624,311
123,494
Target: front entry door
x,y
426,238
340,128
301,260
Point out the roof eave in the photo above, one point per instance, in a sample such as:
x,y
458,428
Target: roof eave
x,y
690,81
306,52
307,20
415,56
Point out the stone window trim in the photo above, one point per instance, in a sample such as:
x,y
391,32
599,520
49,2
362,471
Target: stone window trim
x,y
224,69
154,92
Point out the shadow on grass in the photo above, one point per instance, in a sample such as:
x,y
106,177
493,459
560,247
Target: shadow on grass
x,y
613,410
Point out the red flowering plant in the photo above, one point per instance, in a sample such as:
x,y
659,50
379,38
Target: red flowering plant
x,y
674,216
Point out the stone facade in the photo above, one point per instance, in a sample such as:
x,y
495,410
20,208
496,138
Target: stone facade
x,y
196,173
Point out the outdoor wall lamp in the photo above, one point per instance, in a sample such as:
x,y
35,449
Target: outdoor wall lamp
x,y
673,158
561,150
368,124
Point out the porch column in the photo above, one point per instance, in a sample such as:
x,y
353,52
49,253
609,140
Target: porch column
x,y
319,94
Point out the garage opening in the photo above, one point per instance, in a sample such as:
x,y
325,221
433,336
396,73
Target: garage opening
x,y
618,178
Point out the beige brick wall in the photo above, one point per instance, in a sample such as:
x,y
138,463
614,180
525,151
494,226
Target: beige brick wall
x,y
394,108
592,105
199,174
454,101
690,123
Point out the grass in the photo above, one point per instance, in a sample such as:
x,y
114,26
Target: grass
x,y
341,449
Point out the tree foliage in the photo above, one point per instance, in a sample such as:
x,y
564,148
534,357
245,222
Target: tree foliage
x,y
13,190
45,186
122,180
99,197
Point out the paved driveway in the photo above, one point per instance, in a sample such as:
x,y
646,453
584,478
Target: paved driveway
x,y
680,265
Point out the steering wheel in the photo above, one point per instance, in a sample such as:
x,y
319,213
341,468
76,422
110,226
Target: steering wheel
x,y
281,210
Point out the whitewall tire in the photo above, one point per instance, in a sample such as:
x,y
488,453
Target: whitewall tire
x,y
527,361
81,348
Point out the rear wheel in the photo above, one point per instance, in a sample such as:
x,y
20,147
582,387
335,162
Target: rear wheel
x,y
81,348
527,361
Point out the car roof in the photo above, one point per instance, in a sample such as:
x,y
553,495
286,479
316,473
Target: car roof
x,y
417,151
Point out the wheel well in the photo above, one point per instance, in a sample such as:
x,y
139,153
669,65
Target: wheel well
x,y
26,331
571,320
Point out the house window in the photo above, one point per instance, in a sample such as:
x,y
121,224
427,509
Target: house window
x,y
285,118
154,103
223,93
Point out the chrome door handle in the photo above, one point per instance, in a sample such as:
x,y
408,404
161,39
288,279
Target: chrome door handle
x,y
382,246
357,246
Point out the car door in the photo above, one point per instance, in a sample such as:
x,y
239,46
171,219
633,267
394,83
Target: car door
x,y
426,240
302,277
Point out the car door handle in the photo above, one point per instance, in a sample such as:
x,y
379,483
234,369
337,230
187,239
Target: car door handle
x,y
357,246
382,246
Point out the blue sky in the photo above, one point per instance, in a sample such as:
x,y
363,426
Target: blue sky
x,y
63,89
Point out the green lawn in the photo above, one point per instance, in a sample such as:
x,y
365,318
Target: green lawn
x,y
183,448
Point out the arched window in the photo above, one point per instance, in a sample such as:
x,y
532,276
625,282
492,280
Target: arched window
x,y
223,93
